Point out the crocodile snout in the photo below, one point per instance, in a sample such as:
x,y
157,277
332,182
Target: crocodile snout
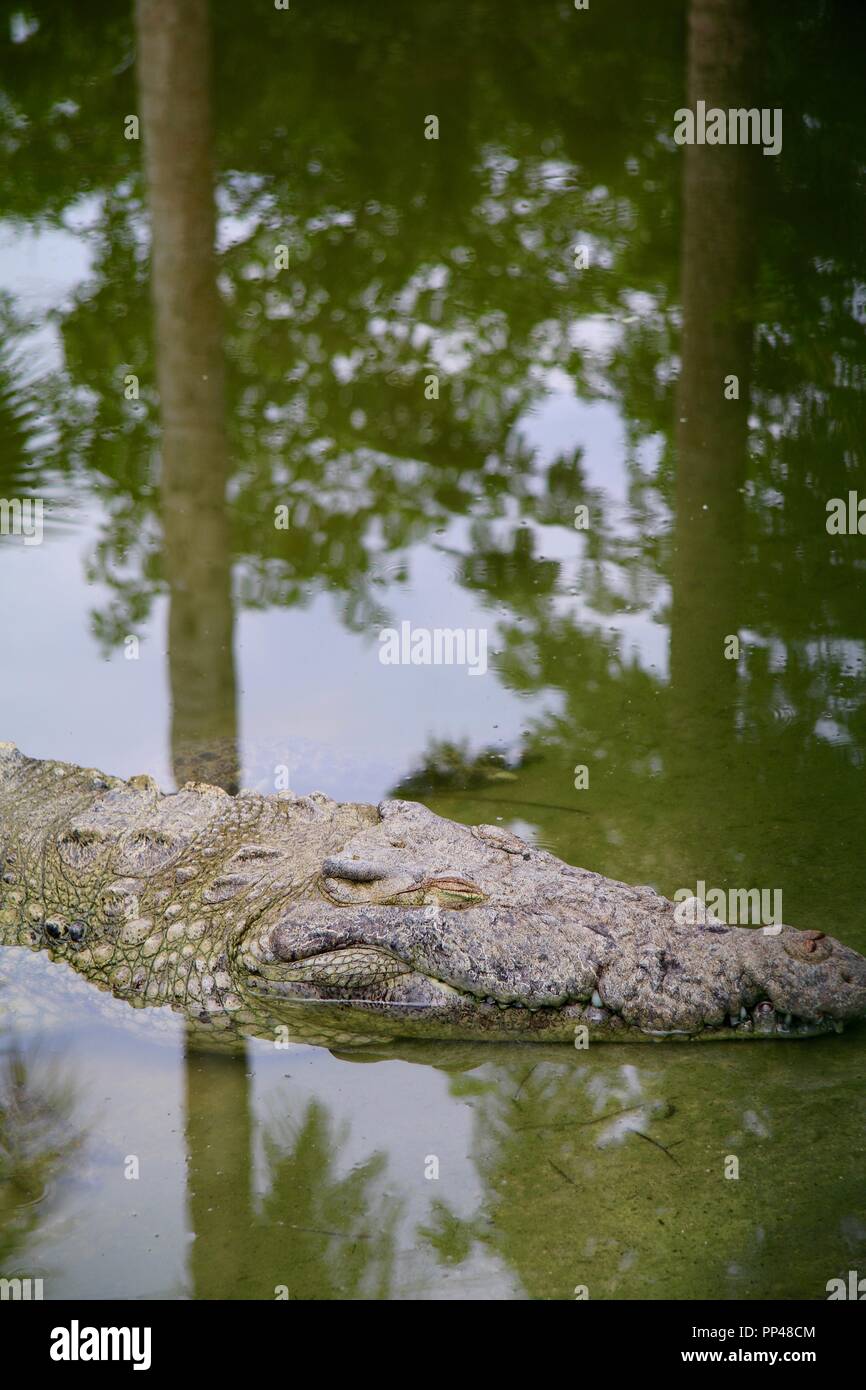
x,y
813,975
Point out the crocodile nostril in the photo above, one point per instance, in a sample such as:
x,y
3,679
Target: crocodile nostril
x,y
76,931
811,946
54,930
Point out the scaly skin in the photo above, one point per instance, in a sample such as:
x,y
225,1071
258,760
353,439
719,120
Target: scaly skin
x,y
231,909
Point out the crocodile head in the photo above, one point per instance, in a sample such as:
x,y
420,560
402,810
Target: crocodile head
x,y
425,927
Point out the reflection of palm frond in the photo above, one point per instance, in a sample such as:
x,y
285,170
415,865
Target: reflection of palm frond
x,y
449,1236
19,411
331,1235
36,1142
451,766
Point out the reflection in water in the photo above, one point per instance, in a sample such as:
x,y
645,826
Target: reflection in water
x,y
18,416
312,1232
556,1169
305,388
717,269
37,1145
287,1242
174,82
606,1172
317,1229
219,1149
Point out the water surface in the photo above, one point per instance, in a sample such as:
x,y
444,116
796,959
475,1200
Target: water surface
x,y
435,1171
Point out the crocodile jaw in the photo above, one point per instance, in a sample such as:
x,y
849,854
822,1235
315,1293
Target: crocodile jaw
x,y
372,983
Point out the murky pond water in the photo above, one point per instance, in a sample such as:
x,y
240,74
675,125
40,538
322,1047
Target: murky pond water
x,y
548,377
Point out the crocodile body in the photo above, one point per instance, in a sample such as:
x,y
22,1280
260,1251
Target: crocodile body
x,y
238,911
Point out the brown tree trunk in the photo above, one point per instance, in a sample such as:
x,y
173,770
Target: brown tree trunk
x,y
717,279
174,90
174,87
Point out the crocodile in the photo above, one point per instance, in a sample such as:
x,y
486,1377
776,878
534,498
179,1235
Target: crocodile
x,y
238,910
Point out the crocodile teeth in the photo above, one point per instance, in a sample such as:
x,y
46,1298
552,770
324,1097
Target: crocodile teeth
x,y
596,999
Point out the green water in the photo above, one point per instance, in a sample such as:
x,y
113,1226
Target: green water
x,y
435,1171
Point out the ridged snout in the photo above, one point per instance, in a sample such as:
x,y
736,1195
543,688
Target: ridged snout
x,y
812,975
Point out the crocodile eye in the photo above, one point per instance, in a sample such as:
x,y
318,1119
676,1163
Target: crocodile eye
x,y
452,891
